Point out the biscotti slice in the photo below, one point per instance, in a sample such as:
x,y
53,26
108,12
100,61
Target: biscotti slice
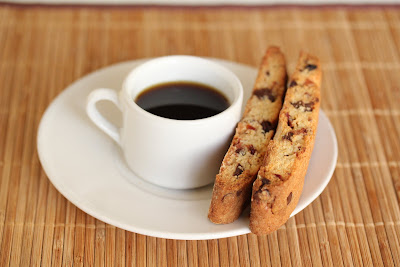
x,y
232,188
280,179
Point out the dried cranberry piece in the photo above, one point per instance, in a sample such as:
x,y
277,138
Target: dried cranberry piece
x,y
308,82
248,126
301,150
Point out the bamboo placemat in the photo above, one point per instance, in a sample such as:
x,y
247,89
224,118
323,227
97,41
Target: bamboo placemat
x,y
355,221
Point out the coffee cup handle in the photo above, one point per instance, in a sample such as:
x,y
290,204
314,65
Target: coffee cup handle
x,y
98,119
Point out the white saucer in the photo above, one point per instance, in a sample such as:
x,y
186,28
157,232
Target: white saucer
x,y
86,166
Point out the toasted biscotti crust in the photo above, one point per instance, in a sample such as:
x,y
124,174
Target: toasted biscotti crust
x,y
280,179
232,188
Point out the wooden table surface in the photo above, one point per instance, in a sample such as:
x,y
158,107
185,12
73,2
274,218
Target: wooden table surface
x,y
355,221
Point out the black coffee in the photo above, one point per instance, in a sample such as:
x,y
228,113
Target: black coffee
x,y
182,100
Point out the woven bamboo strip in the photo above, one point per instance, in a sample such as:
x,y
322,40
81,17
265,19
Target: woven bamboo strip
x,y
325,243
223,252
79,243
193,259
141,252
130,247
151,251
59,229
254,251
293,240
182,252
110,246
161,252
343,240
120,247
203,253
233,251
213,259
35,255
332,231
69,235
90,241
284,246
312,235
274,249
303,240
265,259
243,247
99,243
28,231
172,252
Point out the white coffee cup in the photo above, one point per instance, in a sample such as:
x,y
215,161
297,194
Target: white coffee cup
x,y
178,154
